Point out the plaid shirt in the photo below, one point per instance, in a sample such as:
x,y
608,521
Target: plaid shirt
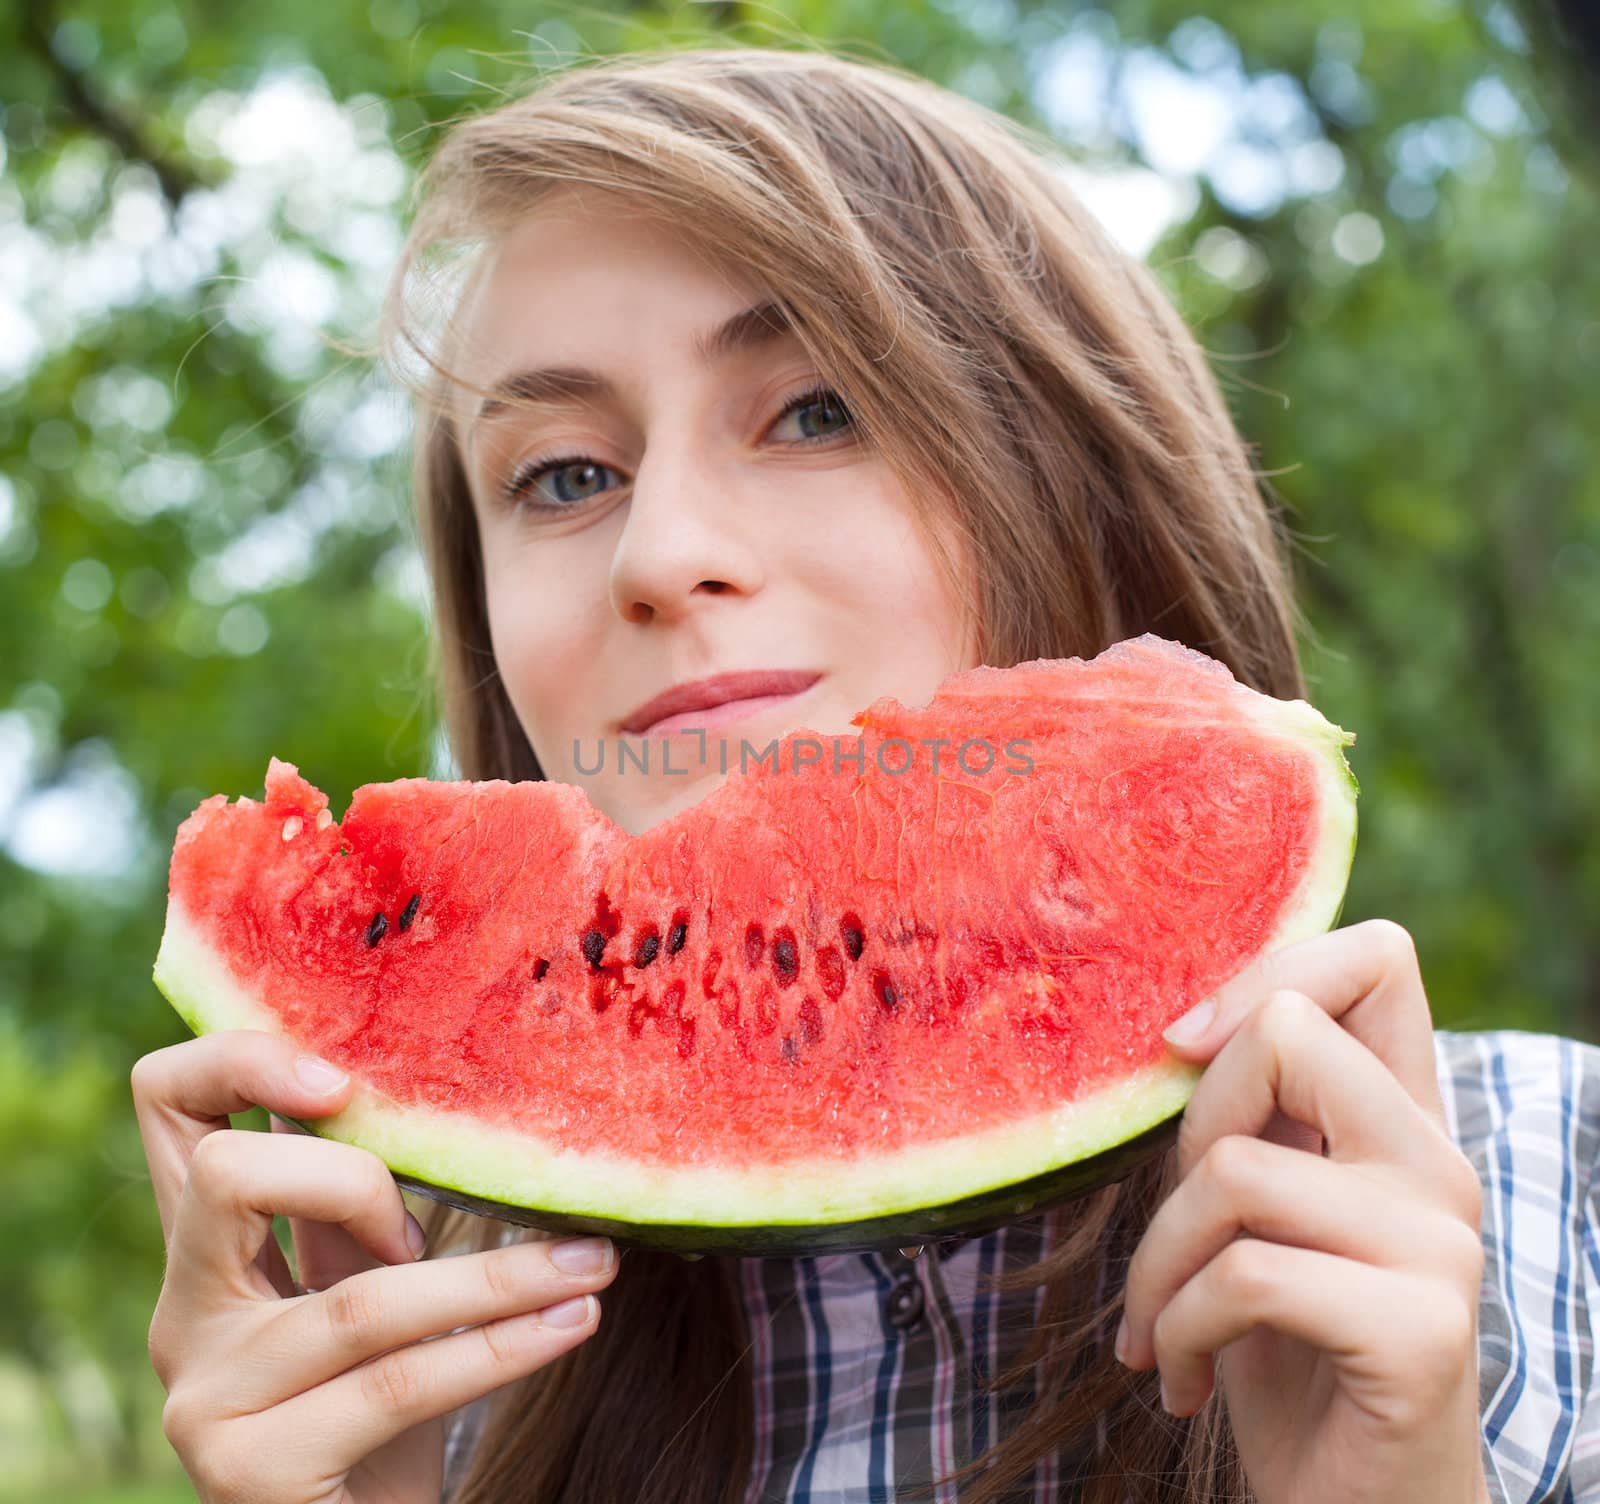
x,y
868,1365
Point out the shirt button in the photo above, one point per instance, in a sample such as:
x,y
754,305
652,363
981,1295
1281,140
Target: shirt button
x,y
905,1303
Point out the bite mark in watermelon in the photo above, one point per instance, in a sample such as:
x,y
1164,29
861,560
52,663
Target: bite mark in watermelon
x,y
820,1010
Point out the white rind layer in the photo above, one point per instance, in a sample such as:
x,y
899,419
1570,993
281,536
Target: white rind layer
x,y
519,1169
1315,906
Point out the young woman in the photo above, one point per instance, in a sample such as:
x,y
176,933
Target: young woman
x,y
778,364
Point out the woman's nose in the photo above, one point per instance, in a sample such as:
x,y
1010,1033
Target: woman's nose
x,y
680,540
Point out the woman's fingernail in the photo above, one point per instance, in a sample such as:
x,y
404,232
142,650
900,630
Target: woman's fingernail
x,y
572,1312
415,1236
582,1255
1192,1026
1121,1347
318,1076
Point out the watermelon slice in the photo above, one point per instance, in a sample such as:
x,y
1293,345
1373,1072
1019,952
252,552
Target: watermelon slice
x,y
832,1006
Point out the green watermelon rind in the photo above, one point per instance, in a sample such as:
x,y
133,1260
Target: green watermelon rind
x,y
949,1188
968,1217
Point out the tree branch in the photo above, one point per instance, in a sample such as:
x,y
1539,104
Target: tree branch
x,y
38,24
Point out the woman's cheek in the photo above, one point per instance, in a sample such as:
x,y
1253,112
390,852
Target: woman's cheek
x,y
535,665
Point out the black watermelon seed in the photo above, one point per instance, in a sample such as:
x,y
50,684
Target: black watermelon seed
x,y
755,942
376,929
647,950
409,912
885,989
786,959
540,967
676,936
850,929
594,944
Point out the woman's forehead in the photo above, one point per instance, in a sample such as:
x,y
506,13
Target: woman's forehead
x,y
542,295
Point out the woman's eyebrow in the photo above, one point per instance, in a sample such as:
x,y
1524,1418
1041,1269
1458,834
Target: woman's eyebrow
x,y
758,325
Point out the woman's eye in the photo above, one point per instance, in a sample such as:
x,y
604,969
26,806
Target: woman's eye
x,y
575,478
834,415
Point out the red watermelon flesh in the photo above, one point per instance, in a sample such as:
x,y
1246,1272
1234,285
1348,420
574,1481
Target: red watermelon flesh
x,y
822,996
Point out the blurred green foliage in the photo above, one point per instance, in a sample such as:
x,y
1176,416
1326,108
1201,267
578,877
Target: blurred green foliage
x,y
204,558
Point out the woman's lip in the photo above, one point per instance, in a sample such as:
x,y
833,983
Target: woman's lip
x,y
718,715
715,689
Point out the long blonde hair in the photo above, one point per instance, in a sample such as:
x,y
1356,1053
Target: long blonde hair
x,y
1031,383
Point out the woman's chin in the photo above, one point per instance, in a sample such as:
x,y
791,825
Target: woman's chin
x,y
659,777
647,801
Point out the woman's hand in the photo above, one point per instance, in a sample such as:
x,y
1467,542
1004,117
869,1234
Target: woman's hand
x,y
334,1394
1339,1293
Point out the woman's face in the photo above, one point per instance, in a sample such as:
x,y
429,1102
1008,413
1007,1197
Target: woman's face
x,y
690,527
